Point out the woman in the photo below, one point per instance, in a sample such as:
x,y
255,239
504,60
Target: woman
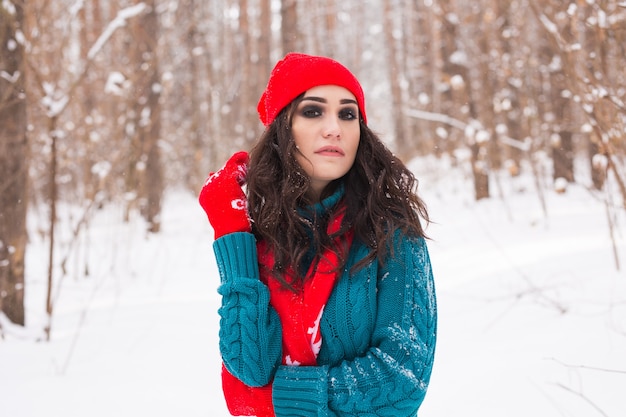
x,y
328,301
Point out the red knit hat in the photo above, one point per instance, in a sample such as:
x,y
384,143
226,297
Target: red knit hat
x,y
295,74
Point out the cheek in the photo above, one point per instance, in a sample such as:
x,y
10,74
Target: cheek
x,y
355,139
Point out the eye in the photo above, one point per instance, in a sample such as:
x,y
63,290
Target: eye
x,y
311,111
348,113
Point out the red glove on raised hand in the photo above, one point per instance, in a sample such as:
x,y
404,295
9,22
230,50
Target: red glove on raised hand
x,y
223,200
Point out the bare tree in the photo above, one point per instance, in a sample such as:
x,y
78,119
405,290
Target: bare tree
x,y
396,74
144,118
247,107
192,12
117,119
289,26
52,95
13,163
585,37
264,46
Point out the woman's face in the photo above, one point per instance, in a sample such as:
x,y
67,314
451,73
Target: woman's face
x,y
326,131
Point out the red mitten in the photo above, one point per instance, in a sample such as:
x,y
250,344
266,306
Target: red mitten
x,y
223,200
243,400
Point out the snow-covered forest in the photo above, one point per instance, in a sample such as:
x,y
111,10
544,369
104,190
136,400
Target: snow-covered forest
x,y
512,113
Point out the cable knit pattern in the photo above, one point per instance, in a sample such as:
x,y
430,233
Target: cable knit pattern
x,y
378,332
377,356
250,331
391,377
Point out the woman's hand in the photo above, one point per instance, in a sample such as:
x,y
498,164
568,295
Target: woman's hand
x,y
223,200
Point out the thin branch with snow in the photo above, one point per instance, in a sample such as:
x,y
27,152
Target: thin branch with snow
x,y
55,103
451,121
436,117
119,21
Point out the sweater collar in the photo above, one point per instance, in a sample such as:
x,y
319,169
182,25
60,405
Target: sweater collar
x,y
325,205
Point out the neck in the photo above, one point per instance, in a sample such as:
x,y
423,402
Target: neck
x,y
315,191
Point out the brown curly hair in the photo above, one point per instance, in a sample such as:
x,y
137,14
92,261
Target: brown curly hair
x,y
380,198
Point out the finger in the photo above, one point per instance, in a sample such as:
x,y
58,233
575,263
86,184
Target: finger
x,y
209,178
240,158
238,166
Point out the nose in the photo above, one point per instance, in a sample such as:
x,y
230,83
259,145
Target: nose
x,y
331,128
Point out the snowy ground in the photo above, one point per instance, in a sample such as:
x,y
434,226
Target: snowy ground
x,y
532,311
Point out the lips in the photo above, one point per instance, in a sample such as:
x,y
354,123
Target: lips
x,y
330,151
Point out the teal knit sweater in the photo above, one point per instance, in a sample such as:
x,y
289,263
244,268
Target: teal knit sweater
x,y
378,332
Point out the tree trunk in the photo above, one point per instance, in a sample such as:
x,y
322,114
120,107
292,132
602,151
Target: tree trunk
x,y
480,172
53,191
13,166
153,176
394,67
146,111
330,25
247,103
289,26
194,157
264,47
598,169
455,101
562,143
563,156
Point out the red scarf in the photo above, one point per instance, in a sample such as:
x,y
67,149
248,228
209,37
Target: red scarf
x,y
300,314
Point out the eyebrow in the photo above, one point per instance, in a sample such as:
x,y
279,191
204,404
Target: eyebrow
x,y
323,100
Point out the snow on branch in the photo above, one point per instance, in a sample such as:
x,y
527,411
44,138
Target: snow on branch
x,y
9,7
55,102
548,24
12,78
77,7
436,117
119,21
469,129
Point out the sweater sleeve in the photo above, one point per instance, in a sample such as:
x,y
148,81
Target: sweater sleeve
x,y
392,377
250,331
